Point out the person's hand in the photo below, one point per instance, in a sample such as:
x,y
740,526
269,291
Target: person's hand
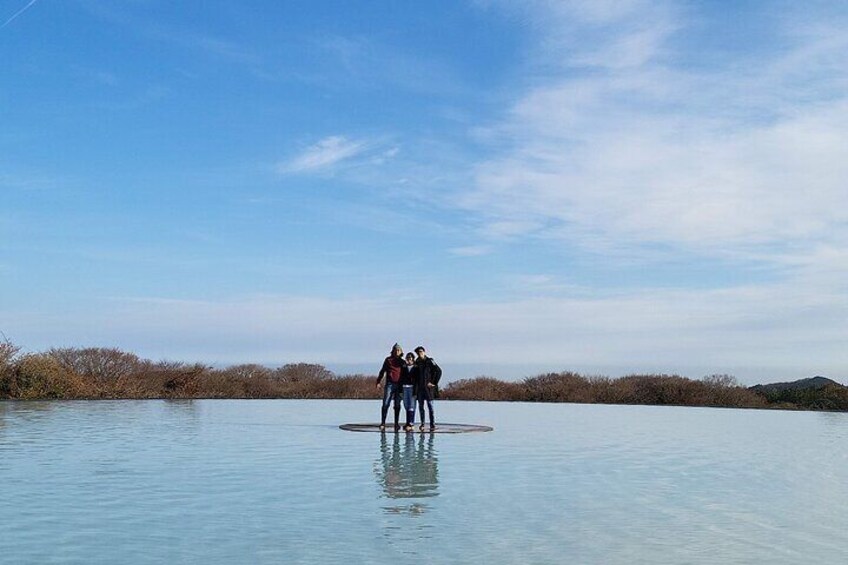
x,y
431,385
378,386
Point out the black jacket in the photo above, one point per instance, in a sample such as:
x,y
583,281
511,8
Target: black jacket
x,y
424,372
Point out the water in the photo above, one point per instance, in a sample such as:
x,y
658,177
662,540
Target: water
x,y
236,482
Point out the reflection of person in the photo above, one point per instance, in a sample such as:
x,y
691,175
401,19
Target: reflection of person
x,y
408,471
394,370
426,375
408,398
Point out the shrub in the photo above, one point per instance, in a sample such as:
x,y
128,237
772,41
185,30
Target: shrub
x,y
98,362
483,388
296,372
8,352
557,387
40,376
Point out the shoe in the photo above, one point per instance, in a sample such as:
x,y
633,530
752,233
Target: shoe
x,y
432,427
397,428
421,428
382,427
408,428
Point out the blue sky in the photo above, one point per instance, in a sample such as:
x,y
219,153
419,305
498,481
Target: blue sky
x,y
522,186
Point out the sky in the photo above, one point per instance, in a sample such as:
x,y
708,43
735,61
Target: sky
x,y
609,187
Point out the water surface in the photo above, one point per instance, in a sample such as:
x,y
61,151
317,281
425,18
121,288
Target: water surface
x,y
232,481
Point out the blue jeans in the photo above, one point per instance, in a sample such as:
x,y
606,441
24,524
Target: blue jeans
x,y
409,404
391,392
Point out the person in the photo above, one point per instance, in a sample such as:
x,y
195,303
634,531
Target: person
x,y
408,397
426,375
394,370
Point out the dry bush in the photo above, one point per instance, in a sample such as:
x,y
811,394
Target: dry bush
x,y
352,386
216,383
605,390
297,372
40,376
483,388
558,387
8,352
100,363
664,390
724,390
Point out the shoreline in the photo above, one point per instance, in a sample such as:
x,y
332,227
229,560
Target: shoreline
x,y
113,374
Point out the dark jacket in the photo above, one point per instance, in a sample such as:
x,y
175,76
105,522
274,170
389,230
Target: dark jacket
x,y
424,372
390,363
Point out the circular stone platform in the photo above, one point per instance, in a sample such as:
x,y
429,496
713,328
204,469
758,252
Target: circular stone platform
x,y
440,428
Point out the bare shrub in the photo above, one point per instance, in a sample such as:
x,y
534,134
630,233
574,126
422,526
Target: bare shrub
x,y
217,384
98,362
605,390
295,372
558,387
40,376
8,351
720,381
483,388
351,386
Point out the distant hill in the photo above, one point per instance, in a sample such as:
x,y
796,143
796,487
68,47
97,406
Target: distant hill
x,y
815,393
812,383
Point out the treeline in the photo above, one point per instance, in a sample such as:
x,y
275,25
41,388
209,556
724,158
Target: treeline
x,y
108,373
673,390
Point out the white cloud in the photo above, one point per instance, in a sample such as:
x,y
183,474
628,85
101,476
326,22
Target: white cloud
x,y
324,154
645,151
470,250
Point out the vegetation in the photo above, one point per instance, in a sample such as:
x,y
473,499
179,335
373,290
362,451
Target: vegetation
x,y
672,390
108,373
104,373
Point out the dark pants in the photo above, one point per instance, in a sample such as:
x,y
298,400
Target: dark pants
x,y
425,394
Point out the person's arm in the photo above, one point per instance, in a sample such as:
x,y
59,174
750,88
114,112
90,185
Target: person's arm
x,y
437,373
382,372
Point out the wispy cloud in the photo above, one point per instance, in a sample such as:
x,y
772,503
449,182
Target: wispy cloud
x,y
470,250
142,20
18,13
323,155
645,150
658,330
360,62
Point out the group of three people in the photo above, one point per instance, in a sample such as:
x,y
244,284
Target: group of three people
x,y
414,379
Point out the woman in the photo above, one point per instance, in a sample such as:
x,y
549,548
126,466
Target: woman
x,y
408,389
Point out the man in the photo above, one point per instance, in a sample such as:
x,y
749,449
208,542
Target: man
x,y
395,371
426,375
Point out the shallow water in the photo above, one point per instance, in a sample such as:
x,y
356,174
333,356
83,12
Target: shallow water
x,y
232,481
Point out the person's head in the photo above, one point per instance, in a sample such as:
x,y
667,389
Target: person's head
x,y
421,352
410,358
397,350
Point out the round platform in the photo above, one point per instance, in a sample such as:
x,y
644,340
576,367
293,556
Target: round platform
x,y
440,428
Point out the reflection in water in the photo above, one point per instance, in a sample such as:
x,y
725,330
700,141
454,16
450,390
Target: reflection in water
x,y
408,469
